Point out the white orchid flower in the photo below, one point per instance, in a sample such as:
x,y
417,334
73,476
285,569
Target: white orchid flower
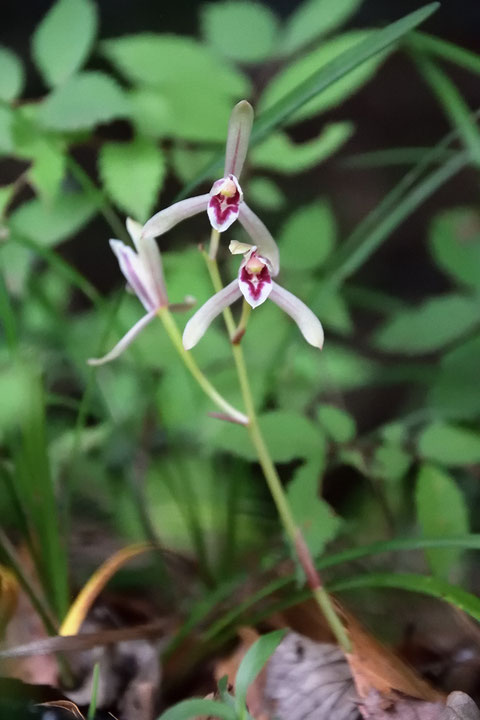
x,y
255,283
224,203
144,274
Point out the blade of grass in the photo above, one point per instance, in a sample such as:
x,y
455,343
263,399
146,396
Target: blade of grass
x,y
453,104
392,157
447,51
8,317
92,709
323,78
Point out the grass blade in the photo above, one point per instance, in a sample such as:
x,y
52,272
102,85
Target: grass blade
x,y
447,51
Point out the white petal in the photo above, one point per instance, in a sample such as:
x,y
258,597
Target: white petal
x,y
151,261
166,219
308,323
134,229
239,248
239,128
267,247
125,341
198,323
134,272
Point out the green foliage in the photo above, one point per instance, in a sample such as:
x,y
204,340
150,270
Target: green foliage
x,y
242,30
315,18
441,512
49,224
11,75
308,237
133,175
6,137
255,659
431,326
193,708
265,193
455,244
451,389
83,101
63,40
314,516
449,444
302,69
337,423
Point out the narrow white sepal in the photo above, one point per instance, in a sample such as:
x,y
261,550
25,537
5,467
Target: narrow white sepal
x,y
134,273
239,129
308,323
199,323
127,339
261,236
167,218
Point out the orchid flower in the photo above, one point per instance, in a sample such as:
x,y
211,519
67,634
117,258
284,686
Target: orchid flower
x,y
144,274
255,283
224,203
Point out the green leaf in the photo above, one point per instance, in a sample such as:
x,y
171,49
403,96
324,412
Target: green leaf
x,y
133,174
448,51
49,224
48,169
199,707
451,390
255,659
63,40
6,137
301,70
435,323
308,237
414,583
84,101
314,516
280,154
449,444
241,30
315,18
265,193
441,512
337,423
12,76
288,435
390,462
150,112
455,244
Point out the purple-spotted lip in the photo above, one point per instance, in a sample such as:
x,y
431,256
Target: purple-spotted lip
x,y
255,286
223,207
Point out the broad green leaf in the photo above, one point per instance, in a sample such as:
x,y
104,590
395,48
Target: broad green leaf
x,y
449,444
288,435
12,76
191,709
186,162
313,515
265,193
308,236
241,30
455,244
299,71
252,663
280,154
435,323
337,423
63,40
441,512
85,100
390,462
150,112
451,390
48,169
49,224
6,137
133,175
315,18
6,194
15,390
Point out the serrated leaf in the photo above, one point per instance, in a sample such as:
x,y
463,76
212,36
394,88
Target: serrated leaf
x,y
252,663
265,193
337,423
280,154
455,244
63,40
288,435
133,174
300,70
308,237
49,224
451,390
84,101
315,517
12,76
442,513
449,444
241,30
431,326
315,18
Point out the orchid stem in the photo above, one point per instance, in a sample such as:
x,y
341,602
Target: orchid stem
x,y
272,478
188,360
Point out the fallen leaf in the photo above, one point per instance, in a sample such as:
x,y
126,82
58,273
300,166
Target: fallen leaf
x,y
64,705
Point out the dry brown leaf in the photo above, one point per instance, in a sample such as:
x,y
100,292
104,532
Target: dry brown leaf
x,y
65,705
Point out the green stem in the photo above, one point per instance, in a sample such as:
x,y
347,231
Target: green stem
x,y
176,339
272,478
